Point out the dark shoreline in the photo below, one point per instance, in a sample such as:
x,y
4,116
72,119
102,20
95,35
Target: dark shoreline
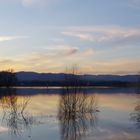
x,y
27,91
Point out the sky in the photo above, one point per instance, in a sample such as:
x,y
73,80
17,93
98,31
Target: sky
x,y
99,36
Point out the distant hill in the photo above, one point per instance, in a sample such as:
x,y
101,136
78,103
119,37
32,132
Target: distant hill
x,y
33,76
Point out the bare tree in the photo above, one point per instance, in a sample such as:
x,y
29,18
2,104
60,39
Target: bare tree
x,y
78,111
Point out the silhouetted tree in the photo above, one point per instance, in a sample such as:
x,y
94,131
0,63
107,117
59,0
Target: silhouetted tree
x,y
72,79
8,78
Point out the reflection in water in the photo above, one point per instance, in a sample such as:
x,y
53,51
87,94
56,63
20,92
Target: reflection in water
x,y
15,116
77,113
135,116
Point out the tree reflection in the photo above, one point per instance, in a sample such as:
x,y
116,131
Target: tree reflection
x,y
77,113
15,116
135,116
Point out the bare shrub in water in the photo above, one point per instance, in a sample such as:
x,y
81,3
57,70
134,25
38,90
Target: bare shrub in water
x,y
77,110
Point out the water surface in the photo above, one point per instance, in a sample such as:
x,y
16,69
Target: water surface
x,y
53,114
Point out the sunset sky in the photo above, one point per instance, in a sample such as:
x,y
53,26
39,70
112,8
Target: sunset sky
x,y
100,36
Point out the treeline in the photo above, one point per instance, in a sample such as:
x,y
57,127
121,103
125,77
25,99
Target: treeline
x,y
8,79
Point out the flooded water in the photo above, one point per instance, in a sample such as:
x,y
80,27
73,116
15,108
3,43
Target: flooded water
x,y
56,114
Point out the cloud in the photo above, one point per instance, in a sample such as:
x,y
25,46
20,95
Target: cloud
x,y
134,3
3,129
56,57
45,62
49,59
119,66
61,50
4,61
32,3
42,3
53,58
27,2
9,38
89,52
104,34
81,35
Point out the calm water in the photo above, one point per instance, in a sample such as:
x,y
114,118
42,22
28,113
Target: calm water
x,y
52,114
